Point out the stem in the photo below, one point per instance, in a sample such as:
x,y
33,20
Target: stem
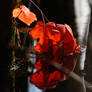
x,y
18,37
43,18
13,52
39,10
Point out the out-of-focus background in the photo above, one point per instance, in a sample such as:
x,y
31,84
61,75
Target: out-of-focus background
x,y
59,11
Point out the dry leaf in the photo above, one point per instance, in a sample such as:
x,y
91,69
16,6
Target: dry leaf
x,y
24,14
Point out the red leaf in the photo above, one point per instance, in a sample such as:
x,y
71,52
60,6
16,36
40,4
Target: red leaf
x,y
37,31
52,31
69,41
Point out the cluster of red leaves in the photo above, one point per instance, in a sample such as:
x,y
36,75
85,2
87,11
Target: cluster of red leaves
x,y
24,14
57,41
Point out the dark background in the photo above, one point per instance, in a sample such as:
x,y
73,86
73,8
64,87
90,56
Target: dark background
x,y
4,31
60,11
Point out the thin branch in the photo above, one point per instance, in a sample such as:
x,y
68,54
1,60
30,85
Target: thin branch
x,y
39,10
72,74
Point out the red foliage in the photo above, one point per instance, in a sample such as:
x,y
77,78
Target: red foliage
x,y
58,33
57,41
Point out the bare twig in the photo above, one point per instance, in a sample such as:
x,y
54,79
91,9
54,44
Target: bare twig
x,y
72,74
39,10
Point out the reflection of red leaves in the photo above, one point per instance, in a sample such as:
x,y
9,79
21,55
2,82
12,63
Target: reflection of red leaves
x,y
38,79
46,79
24,14
59,40
38,65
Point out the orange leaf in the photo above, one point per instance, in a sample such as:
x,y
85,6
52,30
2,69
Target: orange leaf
x,y
16,12
24,14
